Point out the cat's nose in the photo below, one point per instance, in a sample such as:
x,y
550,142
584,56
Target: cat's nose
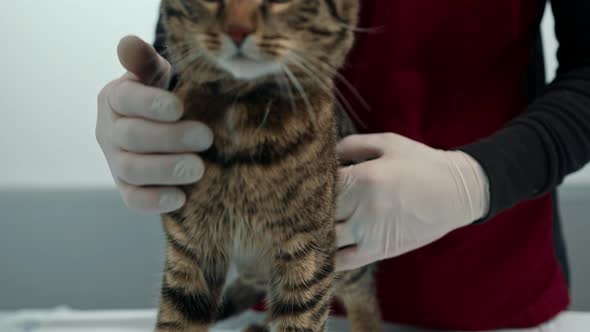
x,y
238,33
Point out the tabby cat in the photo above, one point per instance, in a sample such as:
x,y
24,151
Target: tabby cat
x,y
260,74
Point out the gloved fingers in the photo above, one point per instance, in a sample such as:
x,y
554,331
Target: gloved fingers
x,y
142,60
130,98
152,199
145,170
471,182
348,193
143,136
357,148
105,118
353,258
344,235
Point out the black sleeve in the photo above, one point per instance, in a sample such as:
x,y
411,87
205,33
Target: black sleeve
x,y
533,153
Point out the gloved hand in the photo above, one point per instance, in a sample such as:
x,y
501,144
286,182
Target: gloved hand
x,y
148,150
404,196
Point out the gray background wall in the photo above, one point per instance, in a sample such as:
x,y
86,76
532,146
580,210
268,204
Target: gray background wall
x,y
86,250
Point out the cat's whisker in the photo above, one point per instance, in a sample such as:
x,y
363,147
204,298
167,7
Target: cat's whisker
x,y
362,30
303,94
340,98
183,61
265,117
334,72
201,67
178,59
326,87
179,48
352,89
310,71
181,45
285,84
179,51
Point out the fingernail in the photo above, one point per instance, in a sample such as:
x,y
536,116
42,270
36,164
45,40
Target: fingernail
x,y
187,170
198,138
171,200
166,108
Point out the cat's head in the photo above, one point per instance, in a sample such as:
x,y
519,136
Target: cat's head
x,y
249,40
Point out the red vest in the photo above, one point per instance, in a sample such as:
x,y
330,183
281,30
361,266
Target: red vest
x,y
447,73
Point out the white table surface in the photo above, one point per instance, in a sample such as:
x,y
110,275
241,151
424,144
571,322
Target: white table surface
x,y
66,320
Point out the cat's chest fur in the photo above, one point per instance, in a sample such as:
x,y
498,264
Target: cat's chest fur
x,y
265,149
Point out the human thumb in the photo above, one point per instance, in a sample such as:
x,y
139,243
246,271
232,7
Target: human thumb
x,y
358,148
142,60
348,198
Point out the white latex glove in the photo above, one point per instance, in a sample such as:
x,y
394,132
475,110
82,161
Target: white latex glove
x,y
403,197
148,150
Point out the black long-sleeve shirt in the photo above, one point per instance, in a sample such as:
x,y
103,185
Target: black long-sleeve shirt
x,y
533,153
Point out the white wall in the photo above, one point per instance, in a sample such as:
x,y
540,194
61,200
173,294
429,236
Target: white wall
x,y
54,58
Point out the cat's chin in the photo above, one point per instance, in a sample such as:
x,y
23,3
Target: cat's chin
x,y
243,68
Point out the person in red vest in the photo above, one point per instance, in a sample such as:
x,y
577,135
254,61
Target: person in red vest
x,y
464,148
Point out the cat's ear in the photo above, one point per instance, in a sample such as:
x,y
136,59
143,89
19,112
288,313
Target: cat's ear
x,y
346,11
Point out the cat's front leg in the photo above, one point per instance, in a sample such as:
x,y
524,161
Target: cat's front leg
x,y
356,290
303,277
196,268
